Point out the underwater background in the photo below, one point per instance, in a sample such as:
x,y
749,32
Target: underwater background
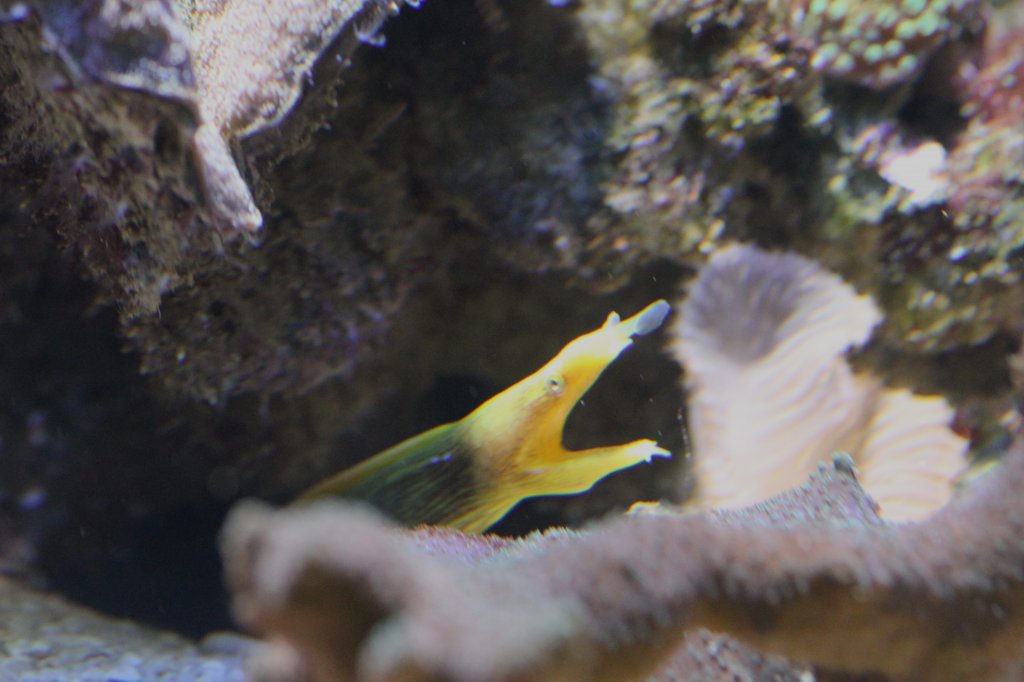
x,y
245,247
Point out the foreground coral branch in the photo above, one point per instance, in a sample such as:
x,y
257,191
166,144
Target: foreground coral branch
x,y
812,575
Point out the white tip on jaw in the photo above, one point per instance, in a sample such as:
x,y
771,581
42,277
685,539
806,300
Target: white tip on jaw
x,y
656,451
650,318
644,322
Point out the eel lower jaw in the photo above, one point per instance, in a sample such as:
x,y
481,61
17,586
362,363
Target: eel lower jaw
x,y
657,451
581,469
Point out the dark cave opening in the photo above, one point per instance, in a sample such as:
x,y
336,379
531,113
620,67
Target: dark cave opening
x,y
122,484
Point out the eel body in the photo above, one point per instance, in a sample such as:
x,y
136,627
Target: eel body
x,y
468,474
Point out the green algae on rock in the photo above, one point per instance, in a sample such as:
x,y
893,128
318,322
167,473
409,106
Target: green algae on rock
x,y
878,43
945,226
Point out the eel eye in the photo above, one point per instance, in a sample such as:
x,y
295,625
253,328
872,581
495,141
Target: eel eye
x,y
554,385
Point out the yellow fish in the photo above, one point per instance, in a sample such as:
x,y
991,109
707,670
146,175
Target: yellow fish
x,y
470,473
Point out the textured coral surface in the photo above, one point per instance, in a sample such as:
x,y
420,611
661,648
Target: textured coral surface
x,y
813,575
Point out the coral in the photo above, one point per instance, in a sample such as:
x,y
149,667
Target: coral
x,y
879,44
762,338
47,638
748,120
946,228
986,207
948,233
812,575
629,132
722,110
699,94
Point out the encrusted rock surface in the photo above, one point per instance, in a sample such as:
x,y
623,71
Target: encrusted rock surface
x,y
47,639
585,139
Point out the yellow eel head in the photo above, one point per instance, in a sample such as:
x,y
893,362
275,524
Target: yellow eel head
x,y
470,473
517,434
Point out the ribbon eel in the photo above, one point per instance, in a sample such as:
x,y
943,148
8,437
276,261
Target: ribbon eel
x,y
470,473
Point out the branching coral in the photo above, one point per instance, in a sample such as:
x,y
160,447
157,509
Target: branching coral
x,y
811,575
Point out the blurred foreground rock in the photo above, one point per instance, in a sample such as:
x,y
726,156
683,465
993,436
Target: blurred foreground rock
x,y
812,574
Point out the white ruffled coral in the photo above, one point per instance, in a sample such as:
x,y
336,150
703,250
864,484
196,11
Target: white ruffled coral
x,y
762,337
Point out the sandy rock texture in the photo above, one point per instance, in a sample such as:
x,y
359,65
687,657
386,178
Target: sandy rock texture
x,y
47,638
